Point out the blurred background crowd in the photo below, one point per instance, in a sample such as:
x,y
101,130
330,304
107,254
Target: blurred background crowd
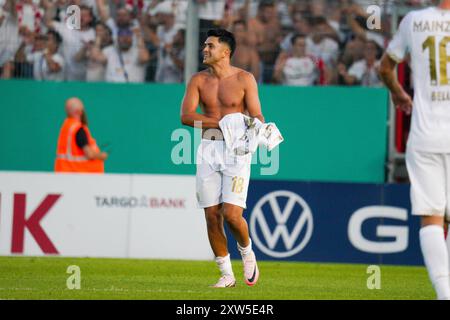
x,y
288,42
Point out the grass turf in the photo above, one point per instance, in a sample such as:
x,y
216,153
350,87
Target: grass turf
x,y
45,278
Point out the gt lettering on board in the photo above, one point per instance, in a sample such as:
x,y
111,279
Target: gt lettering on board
x,y
399,234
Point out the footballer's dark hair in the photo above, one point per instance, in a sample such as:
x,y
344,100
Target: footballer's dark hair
x,y
225,37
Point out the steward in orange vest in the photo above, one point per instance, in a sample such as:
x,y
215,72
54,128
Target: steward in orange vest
x,y
77,151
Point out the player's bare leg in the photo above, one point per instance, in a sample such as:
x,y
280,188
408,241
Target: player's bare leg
x,y
429,220
435,254
218,242
236,222
216,232
239,228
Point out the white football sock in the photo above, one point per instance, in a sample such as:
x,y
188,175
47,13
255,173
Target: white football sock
x,y
224,264
245,250
435,255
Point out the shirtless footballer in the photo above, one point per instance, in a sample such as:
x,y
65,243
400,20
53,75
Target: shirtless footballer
x,y
220,90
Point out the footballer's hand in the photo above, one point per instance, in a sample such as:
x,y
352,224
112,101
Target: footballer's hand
x,y
403,101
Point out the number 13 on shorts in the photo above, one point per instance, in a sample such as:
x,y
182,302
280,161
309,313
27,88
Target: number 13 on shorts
x,y
237,185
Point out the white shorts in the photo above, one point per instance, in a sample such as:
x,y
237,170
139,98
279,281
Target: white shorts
x,y
221,177
429,174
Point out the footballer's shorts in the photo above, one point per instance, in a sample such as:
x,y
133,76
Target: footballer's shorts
x,y
429,174
221,178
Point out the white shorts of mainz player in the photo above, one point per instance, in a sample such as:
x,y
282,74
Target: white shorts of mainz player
x,y
221,177
429,174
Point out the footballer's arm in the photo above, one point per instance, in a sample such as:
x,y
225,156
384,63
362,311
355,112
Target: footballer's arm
x,y
252,103
191,100
387,74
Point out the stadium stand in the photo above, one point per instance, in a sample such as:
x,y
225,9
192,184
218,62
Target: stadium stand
x,y
336,35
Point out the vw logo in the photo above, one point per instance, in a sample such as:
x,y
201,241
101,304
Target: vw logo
x,y
269,221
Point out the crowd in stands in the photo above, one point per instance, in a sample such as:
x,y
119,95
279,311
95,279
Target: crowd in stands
x,y
290,42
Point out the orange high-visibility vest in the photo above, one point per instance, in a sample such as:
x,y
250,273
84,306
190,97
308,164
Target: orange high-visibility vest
x,y
71,158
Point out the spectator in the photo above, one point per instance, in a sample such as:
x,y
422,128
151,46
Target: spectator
x,y
124,19
301,7
301,25
73,41
149,25
165,33
35,44
103,39
353,51
240,10
236,10
59,8
357,20
21,68
171,66
124,62
284,14
265,34
297,69
177,7
29,15
320,44
338,21
317,8
245,56
48,64
364,72
9,38
77,151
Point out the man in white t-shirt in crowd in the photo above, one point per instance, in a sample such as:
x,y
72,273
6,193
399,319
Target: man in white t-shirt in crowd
x,y
298,68
170,67
320,44
103,38
124,18
124,62
363,72
423,34
165,33
48,64
301,25
73,41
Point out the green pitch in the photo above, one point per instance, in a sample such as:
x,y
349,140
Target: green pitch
x,y
46,277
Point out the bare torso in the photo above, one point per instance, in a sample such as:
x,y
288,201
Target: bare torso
x,y
235,91
219,97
